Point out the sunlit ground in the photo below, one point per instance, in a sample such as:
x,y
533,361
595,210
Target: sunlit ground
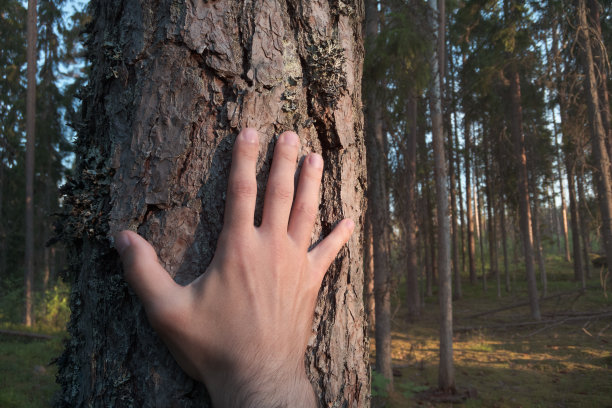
x,y
550,365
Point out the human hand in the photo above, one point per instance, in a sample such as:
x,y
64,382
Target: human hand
x,y
242,327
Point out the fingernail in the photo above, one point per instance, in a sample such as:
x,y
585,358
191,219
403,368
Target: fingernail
x,y
289,138
249,135
315,160
122,242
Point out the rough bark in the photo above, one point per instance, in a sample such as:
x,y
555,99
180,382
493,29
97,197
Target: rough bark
x,y
32,33
446,374
170,87
491,219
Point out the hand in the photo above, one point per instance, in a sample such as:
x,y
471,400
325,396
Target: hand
x,y
243,326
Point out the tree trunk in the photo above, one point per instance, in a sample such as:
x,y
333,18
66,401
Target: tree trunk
x,y
378,200
412,273
468,203
480,227
170,87
537,242
575,223
523,191
602,70
492,227
583,214
446,374
561,189
502,220
598,136
32,33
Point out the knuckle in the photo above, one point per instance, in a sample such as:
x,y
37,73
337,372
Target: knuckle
x,y
247,151
243,188
306,211
280,191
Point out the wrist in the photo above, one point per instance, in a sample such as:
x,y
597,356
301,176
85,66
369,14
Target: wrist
x,y
273,389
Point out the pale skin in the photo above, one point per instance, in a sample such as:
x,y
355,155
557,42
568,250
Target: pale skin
x,y
242,327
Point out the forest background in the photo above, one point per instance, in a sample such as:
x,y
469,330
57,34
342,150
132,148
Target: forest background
x,y
498,111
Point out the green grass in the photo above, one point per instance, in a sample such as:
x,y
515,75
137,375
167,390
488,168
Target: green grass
x,y
26,377
565,365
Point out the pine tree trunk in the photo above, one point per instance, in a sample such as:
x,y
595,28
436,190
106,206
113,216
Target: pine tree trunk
x,y
32,34
446,374
575,223
583,214
502,221
412,274
523,191
537,243
598,136
468,204
170,87
491,224
378,201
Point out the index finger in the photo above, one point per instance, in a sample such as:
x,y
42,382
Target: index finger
x,y
242,185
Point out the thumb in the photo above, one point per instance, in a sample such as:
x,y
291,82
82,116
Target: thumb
x,y
142,270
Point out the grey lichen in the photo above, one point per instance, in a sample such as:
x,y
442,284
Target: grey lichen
x,y
325,62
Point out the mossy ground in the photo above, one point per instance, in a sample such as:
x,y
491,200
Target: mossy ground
x,y
27,377
549,365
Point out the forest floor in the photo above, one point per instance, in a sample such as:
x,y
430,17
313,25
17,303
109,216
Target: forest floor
x,y
566,361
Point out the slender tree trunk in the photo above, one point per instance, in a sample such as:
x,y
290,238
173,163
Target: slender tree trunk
x,y
598,136
170,87
377,198
575,224
523,191
561,190
429,250
502,220
481,233
412,274
536,239
491,224
583,214
468,205
28,318
446,374
368,271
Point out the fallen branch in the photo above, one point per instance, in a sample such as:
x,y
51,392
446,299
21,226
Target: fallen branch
x,y
521,324
26,334
523,303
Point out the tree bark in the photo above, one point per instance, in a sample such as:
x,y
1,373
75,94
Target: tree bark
x,y
575,222
598,136
502,221
583,214
446,374
468,204
171,85
412,274
378,200
32,34
523,190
